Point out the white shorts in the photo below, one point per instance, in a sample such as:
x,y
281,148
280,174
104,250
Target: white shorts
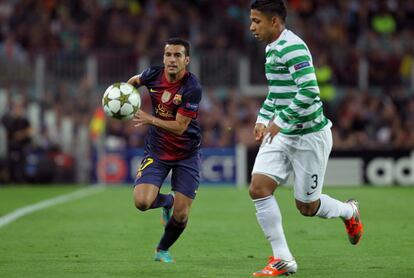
x,y
304,155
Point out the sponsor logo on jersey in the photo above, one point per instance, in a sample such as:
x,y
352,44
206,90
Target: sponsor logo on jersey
x,y
301,65
177,99
280,68
165,96
163,111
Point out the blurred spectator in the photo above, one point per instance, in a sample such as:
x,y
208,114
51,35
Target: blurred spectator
x,y
324,75
342,35
11,51
18,132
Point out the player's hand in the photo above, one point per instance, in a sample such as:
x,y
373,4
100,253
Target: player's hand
x,y
142,118
271,131
259,130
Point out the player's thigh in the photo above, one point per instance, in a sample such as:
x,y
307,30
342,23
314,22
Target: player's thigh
x,y
182,206
186,176
152,171
145,194
273,161
309,163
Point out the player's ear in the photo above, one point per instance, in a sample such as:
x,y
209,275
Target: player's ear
x,y
275,20
187,60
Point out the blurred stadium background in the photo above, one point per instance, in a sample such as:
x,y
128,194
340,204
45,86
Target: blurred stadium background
x,y
57,58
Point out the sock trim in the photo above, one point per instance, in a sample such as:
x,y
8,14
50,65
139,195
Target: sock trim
x,y
262,199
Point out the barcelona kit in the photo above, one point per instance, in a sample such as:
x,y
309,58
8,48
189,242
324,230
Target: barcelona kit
x,y
164,150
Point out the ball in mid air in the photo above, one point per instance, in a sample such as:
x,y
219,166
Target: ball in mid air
x,y
121,101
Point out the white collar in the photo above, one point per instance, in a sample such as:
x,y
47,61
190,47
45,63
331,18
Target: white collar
x,y
281,36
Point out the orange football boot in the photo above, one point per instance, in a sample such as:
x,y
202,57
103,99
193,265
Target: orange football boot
x,y
354,226
277,267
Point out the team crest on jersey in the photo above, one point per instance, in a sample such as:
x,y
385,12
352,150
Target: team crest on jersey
x,y
177,99
165,96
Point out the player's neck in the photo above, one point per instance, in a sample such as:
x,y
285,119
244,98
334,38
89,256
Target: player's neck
x,y
278,33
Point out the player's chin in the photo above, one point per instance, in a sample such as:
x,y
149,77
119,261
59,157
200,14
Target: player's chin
x,y
172,70
257,37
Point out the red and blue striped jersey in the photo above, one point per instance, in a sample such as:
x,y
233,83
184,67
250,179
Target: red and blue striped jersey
x,y
168,99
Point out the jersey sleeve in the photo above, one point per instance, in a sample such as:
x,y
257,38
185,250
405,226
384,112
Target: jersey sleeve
x,y
147,75
297,59
191,102
267,111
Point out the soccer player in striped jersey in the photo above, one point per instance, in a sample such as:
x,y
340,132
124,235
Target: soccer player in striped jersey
x,y
295,136
172,143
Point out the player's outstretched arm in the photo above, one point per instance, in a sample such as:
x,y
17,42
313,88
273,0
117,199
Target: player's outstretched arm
x,y
134,81
178,127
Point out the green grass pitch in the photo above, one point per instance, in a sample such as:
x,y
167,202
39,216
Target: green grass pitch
x,y
103,235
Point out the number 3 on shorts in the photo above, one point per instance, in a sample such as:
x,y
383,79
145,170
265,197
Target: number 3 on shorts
x,y
315,181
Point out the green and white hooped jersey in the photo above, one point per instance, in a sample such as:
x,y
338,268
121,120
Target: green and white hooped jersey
x,y
293,99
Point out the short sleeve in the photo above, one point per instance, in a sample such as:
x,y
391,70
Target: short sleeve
x,y
147,75
191,102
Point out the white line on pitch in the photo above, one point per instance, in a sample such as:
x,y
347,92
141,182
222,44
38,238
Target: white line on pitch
x,y
8,218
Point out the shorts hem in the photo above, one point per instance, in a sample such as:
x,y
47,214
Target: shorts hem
x,y
278,180
191,196
307,200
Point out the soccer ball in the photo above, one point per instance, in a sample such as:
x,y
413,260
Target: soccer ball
x,y
121,101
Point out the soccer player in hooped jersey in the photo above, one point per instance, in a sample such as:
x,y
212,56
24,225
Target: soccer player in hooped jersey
x,y
172,143
295,136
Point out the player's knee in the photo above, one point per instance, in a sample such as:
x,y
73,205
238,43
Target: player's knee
x,y
261,187
181,218
181,215
142,204
254,191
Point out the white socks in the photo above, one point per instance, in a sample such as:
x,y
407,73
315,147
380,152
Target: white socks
x,y
331,208
269,217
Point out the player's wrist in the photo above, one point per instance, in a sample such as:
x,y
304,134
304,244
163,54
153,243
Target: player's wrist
x,y
153,121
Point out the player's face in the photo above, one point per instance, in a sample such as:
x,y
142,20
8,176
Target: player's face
x,y
263,27
175,60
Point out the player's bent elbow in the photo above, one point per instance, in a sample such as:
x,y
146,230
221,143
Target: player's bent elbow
x,y
180,130
134,80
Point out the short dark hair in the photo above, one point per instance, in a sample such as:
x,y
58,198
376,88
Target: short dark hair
x,y
178,41
271,7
